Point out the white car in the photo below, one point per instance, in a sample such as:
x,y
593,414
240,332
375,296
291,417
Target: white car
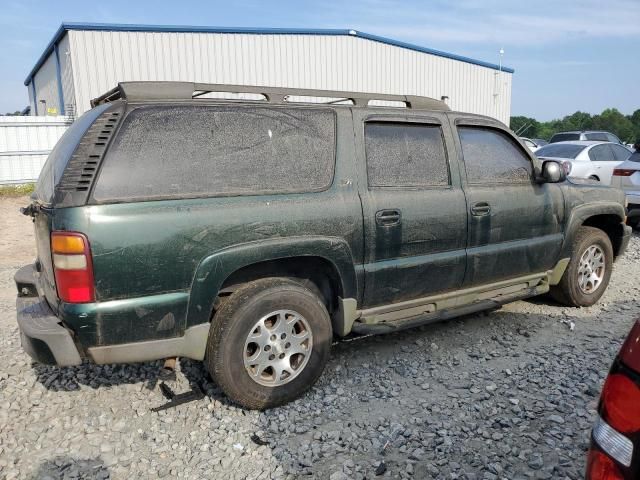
x,y
627,177
585,159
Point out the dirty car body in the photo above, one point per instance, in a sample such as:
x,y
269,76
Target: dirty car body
x,y
391,217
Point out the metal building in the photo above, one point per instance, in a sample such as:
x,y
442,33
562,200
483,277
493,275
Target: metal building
x,y
85,60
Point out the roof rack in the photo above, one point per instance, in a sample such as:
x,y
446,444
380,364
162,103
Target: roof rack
x,y
145,91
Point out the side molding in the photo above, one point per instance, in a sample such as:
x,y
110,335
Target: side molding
x,y
192,345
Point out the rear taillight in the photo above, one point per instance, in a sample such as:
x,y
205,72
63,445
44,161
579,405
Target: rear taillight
x,y
601,467
620,401
623,172
566,166
73,267
630,351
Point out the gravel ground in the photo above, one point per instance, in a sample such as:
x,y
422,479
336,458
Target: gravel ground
x,y
506,395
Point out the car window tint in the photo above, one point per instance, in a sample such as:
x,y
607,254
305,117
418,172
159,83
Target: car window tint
x,y
601,153
612,138
491,156
405,155
599,137
181,151
621,154
563,137
560,150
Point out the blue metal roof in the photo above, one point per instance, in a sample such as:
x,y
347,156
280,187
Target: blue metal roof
x,y
116,27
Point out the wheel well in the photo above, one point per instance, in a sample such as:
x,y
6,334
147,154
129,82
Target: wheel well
x,y
594,177
315,273
611,225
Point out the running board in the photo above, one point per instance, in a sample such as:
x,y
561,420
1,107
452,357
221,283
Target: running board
x,y
413,313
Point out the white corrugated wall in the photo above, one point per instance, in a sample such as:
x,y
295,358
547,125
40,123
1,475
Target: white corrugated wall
x,y
25,143
102,58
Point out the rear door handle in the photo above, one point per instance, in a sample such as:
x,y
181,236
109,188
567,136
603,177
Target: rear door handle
x,y
388,217
480,209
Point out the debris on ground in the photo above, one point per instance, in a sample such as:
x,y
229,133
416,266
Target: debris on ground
x,y
93,421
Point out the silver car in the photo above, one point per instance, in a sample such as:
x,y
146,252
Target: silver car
x,y
584,159
627,177
595,135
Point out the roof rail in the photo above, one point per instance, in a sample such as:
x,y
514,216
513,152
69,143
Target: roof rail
x,y
145,91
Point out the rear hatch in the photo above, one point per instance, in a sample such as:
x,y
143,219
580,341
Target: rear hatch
x,y
65,182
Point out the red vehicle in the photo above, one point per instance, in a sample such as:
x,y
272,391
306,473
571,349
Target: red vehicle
x,y
615,438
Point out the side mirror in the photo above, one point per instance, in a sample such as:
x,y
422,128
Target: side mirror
x,y
552,172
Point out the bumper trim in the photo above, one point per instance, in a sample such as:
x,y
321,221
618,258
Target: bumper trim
x,y
41,329
192,345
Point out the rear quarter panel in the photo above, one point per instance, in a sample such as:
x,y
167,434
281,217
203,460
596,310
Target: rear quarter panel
x,y
147,255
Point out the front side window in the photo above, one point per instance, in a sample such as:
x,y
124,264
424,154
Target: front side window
x,y
491,156
405,155
185,150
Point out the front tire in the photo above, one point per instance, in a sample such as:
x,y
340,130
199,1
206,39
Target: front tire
x,y
589,271
269,343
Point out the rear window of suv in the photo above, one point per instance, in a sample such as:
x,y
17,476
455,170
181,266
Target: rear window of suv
x,y
185,151
564,137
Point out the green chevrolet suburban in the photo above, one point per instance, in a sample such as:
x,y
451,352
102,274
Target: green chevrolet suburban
x,y
249,226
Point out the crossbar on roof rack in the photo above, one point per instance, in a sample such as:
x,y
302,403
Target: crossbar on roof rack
x,y
144,91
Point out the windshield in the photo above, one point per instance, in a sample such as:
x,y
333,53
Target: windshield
x,y
635,157
560,150
59,157
563,137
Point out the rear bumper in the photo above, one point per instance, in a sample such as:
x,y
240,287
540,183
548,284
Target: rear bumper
x,y
633,196
43,336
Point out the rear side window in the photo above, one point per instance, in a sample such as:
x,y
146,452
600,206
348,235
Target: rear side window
x,y
182,151
490,156
620,152
601,153
58,159
405,155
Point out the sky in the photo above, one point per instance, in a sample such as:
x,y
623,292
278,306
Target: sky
x,y
568,55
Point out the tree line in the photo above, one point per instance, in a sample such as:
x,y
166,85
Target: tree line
x,y
626,127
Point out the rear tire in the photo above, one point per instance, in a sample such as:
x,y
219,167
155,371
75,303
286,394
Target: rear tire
x,y
269,343
589,271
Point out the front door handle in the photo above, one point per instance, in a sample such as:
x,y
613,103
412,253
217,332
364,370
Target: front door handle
x,y
480,209
388,217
